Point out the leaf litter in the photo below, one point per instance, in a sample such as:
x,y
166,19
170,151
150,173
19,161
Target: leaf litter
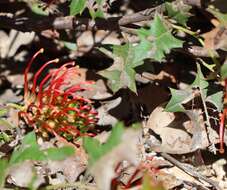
x,y
120,156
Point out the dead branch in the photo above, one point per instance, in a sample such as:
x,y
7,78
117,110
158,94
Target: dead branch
x,y
26,24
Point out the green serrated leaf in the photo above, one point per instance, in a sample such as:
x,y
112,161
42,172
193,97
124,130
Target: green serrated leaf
x,y
126,57
216,99
3,171
58,153
96,150
178,97
199,82
179,13
224,71
163,40
77,6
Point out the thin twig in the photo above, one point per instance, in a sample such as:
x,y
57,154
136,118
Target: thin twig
x,y
76,185
189,170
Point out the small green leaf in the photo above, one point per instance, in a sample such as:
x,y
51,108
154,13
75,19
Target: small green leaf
x,y
96,150
199,82
36,8
70,45
178,97
179,13
59,153
3,171
216,99
77,6
224,71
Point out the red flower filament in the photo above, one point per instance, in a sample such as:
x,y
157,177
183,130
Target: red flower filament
x,y
55,108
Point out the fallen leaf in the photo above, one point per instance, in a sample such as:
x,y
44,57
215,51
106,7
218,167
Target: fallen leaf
x,y
176,132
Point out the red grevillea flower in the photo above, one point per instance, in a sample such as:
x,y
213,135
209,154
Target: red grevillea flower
x,y
53,106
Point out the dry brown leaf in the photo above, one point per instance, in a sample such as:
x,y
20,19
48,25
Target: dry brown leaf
x,y
178,134
216,38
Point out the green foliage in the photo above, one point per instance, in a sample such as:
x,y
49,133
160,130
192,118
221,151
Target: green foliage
x,y
126,58
163,41
178,13
36,8
77,6
224,71
70,45
97,12
29,150
3,171
96,150
180,97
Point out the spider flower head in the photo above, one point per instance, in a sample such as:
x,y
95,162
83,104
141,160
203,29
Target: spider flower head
x,y
54,106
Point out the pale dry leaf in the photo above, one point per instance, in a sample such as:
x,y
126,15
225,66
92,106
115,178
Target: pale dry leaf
x,y
168,180
126,150
176,132
21,175
71,167
104,117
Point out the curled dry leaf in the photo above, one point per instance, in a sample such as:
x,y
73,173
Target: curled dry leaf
x,y
104,169
23,174
179,133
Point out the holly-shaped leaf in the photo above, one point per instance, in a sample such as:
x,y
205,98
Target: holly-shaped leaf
x,y
96,150
162,39
126,57
199,82
216,99
178,11
178,97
